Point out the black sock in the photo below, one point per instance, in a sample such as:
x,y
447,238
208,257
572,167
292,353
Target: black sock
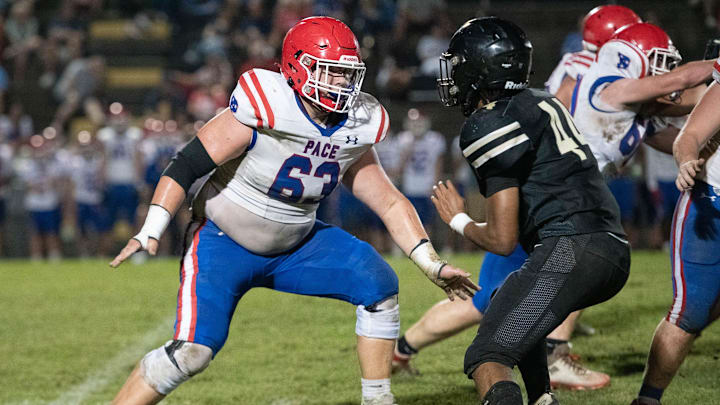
x,y
552,343
404,347
534,370
648,391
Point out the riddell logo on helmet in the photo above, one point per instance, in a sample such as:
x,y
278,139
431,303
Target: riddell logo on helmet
x,y
349,58
509,85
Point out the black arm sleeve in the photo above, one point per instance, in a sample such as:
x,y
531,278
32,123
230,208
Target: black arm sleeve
x,y
189,164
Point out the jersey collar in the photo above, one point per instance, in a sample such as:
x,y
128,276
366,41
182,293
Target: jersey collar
x,y
326,132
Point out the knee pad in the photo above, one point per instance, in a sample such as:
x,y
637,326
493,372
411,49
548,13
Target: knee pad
x,y
380,320
503,393
168,366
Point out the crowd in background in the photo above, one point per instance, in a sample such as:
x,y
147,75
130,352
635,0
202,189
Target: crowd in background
x,y
77,193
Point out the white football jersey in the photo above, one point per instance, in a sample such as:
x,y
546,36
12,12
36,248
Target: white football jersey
x,y
613,134
711,170
85,171
292,162
418,176
573,65
120,152
41,176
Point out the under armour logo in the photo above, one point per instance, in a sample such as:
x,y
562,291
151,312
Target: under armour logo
x,y
711,197
623,62
352,140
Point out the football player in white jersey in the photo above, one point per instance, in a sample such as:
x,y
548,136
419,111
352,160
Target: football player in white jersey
x,y
615,100
283,144
694,253
422,162
599,25
448,318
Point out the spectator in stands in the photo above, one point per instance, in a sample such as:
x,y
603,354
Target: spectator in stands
x,y
259,55
415,16
286,14
16,126
22,31
255,16
79,86
373,17
43,179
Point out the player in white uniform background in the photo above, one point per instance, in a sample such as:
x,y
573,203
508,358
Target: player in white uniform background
x,y
123,169
694,251
283,144
422,151
615,100
42,176
84,165
598,27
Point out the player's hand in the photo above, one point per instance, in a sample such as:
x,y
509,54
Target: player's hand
x,y
447,200
133,246
687,172
456,283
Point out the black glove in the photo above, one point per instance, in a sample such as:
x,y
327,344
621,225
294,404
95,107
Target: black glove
x,y
712,49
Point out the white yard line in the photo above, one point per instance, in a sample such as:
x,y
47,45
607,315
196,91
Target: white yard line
x,y
113,368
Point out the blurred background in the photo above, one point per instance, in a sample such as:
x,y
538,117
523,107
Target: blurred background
x,y
97,95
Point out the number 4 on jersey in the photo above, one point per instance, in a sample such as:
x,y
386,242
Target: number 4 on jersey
x,y
561,123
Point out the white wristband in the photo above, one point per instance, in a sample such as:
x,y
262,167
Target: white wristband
x,y
427,259
459,221
156,221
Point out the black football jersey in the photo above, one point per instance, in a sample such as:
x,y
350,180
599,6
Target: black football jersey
x,y
529,141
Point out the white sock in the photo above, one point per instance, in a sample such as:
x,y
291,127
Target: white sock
x,y
375,388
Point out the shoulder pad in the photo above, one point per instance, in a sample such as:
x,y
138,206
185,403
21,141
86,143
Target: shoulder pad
x,y
623,58
578,63
249,101
492,142
368,112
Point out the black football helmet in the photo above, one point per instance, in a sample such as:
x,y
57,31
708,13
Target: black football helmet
x,y
484,54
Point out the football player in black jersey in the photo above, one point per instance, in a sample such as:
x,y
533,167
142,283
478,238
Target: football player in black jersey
x,y
543,189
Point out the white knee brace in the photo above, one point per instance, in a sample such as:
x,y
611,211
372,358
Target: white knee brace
x,y
380,321
168,366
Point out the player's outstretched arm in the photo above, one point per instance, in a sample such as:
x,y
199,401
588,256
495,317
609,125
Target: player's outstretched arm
x,y
498,235
223,138
632,91
703,123
370,184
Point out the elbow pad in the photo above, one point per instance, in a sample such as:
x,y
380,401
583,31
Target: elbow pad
x,y
189,164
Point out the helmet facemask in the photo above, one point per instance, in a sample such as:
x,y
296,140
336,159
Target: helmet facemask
x,y
663,60
318,88
448,90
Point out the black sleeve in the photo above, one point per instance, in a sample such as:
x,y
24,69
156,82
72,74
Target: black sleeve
x,y
189,164
495,146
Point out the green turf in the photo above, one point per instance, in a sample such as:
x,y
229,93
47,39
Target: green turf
x,y
62,325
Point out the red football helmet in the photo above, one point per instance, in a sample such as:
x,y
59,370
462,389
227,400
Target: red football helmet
x,y
316,50
600,24
655,44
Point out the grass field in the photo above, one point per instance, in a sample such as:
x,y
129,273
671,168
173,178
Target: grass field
x,y
71,332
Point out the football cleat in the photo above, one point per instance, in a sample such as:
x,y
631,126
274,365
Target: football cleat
x,y
566,372
384,399
401,365
547,398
